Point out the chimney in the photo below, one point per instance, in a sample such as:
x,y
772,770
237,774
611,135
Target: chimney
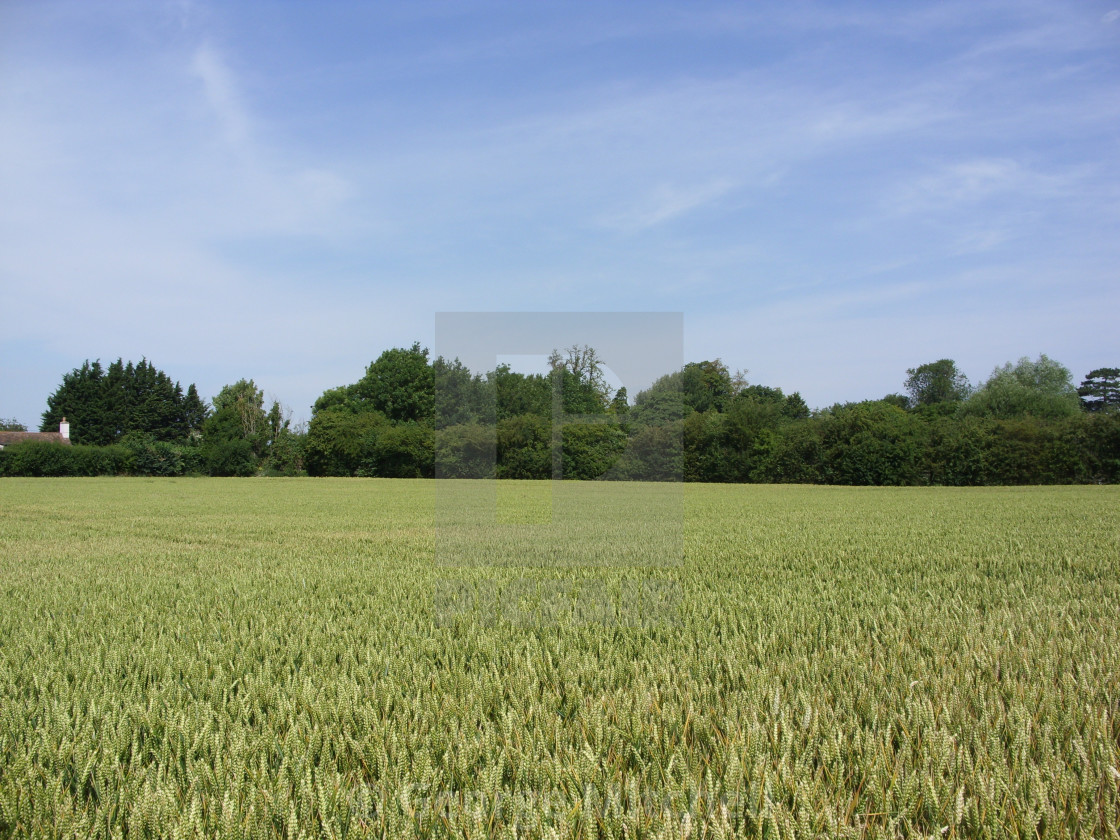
x,y
64,429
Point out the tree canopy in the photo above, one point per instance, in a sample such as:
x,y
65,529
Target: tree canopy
x,y
400,384
1040,388
1100,390
936,382
105,404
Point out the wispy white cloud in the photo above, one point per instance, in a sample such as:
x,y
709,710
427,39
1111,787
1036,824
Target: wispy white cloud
x,y
972,181
222,94
666,202
261,188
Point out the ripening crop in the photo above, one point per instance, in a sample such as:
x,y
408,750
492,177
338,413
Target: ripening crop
x,y
268,658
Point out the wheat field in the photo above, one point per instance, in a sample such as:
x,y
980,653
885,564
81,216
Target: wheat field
x,y
267,658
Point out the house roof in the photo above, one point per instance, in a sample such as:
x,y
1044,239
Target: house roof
x,y
9,438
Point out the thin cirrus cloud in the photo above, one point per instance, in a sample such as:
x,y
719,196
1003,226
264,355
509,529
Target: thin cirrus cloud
x,y
222,95
666,202
967,182
266,193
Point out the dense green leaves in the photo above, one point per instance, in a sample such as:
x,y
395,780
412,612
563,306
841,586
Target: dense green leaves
x,y
1041,388
1100,390
400,384
465,451
524,447
936,382
240,438
105,404
339,440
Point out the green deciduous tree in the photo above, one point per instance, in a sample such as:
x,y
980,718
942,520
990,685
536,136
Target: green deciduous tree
x,y
461,397
936,382
401,450
579,385
620,404
340,440
871,442
517,394
243,402
707,385
589,450
653,453
465,451
661,403
579,372
524,447
243,434
400,384
1041,388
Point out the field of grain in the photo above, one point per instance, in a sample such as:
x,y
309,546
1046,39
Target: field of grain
x,y
280,658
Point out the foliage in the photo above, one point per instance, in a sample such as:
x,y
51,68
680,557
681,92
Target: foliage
x,y
653,453
465,451
519,394
335,398
1100,390
404,450
137,454
659,405
936,382
524,447
340,440
105,404
44,459
795,407
400,384
872,443
241,438
460,396
10,424
704,454
285,449
407,417
829,662
578,375
589,450
231,456
243,405
149,456
706,385
1042,388
619,405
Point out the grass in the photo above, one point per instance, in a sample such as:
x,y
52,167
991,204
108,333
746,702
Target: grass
x,y
272,658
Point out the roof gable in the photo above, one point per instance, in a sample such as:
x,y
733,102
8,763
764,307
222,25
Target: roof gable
x,y
10,438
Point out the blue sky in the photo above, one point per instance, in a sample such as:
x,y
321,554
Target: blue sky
x,y
830,192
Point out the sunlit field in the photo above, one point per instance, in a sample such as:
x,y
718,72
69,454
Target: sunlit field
x,y
279,658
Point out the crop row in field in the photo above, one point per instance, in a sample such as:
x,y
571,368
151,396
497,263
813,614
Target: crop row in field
x,y
275,658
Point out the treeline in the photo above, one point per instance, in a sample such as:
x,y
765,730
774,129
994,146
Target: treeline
x,y
411,416
132,419
1026,424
